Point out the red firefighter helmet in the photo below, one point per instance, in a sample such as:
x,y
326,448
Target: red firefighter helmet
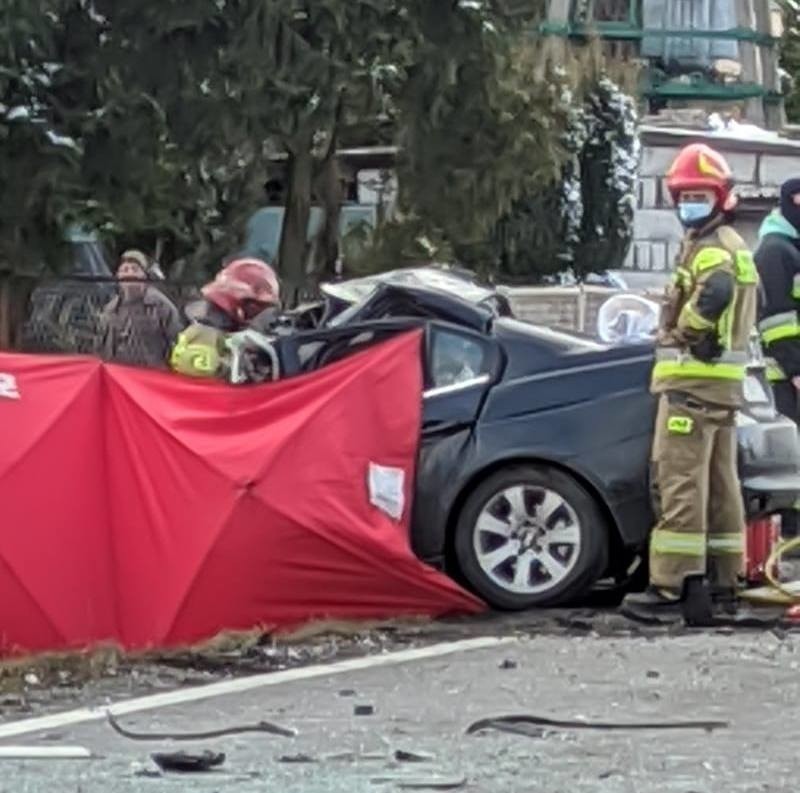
x,y
699,167
244,288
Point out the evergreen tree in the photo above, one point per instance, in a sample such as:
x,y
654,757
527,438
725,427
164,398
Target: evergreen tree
x,y
790,57
39,161
583,220
154,121
479,122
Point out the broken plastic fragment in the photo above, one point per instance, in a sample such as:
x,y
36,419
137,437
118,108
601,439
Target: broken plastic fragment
x,y
186,763
412,757
296,758
422,783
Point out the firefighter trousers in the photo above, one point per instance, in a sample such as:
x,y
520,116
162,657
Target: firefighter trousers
x,y
701,528
786,399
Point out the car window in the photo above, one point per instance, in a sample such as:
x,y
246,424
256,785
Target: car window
x,y
456,358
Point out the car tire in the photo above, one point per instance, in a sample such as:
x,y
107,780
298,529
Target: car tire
x,y
556,573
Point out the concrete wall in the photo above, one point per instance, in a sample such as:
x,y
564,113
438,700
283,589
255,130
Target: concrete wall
x,y
760,166
573,308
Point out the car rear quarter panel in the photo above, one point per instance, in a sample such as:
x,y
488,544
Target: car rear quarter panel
x,y
593,419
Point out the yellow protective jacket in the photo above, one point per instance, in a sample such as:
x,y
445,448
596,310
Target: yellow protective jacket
x,y
708,317
201,351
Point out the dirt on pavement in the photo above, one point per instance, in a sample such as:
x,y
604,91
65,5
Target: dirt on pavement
x,y
30,687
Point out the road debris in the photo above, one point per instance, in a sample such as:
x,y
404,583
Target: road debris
x,y
353,757
520,724
262,726
422,783
187,763
403,756
45,753
145,771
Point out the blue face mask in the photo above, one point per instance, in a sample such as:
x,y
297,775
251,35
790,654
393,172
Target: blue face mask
x,y
693,213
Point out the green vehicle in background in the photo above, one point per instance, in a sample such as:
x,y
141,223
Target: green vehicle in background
x,y
263,233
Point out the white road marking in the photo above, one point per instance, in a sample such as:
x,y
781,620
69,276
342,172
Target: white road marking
x,y
240,685
44,753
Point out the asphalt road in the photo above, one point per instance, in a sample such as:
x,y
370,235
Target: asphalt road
x,y
424,707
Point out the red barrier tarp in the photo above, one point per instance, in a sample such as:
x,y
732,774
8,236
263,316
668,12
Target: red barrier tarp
x,y
152,510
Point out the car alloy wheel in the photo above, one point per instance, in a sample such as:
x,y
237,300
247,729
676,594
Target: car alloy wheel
x,y
530,535
527,539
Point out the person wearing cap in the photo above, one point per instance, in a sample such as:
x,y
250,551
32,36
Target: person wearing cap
x,y
140,324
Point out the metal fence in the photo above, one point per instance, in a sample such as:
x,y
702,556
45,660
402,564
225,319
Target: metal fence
x,y
64,315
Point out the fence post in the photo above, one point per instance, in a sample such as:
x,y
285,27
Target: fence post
x,y
5,312
581,308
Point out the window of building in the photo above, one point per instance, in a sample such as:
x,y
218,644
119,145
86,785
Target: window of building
x,y
613,11
692,48
606,14
690,19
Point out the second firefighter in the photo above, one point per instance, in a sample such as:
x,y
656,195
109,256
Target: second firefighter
x,y
701,358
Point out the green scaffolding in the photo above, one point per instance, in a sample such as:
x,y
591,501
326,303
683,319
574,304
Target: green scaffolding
x,y
697,86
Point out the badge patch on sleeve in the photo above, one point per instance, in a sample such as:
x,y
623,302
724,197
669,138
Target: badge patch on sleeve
x,y
680,425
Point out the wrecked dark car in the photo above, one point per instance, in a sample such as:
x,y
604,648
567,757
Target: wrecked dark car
x,y
339,296
533,480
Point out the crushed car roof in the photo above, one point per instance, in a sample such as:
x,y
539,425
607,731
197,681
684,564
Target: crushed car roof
x,y
440,279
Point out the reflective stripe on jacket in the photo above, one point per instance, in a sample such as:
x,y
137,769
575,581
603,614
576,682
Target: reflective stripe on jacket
x,y
674,362
779,326
200,351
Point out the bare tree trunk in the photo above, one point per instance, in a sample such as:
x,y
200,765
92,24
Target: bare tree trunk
x,y
15,293
329,190
294,235
5,311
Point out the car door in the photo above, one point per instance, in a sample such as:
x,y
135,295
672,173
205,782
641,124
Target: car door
x,y
460,367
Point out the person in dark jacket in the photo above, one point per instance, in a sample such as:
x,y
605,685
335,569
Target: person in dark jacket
x,y
778,261
140,324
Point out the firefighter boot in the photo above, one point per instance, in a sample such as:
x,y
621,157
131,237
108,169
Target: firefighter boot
x,y
724,597
696,603
725,601
654,606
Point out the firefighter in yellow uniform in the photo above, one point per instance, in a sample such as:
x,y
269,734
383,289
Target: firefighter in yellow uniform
x,y
696,549
241,291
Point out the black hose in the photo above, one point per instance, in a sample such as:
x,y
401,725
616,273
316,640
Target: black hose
x,y
513,724
262,726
